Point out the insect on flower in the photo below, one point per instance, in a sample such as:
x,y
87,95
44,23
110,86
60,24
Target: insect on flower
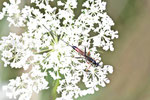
x,y
83,53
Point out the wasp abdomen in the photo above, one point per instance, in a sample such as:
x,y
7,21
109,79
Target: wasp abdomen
x,y
78,50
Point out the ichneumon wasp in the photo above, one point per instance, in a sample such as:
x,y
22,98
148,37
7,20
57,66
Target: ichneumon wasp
x,y
83,53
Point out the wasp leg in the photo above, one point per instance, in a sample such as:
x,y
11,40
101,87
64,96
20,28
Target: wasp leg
x,y
79,57
88,68
87,62
88,53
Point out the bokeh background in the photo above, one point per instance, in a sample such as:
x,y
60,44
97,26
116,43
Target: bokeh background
x,y
131,58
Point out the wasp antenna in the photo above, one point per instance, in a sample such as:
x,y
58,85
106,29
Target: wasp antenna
x,y
55,35
46,28
85,51
49,31
66,42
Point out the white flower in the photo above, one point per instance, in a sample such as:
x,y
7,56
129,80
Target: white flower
x,y
41,48
22,87
59,3
7,54
71,4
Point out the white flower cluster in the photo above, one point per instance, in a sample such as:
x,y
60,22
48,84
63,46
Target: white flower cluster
x,y
22,87
47,56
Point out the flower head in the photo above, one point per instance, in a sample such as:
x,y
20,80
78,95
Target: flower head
x,y
44,47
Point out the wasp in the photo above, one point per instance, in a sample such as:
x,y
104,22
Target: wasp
x,y
83,53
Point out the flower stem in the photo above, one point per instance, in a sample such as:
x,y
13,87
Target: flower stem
x,y
54,90
44,51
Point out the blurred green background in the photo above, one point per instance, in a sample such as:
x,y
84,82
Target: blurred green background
x,y
131,58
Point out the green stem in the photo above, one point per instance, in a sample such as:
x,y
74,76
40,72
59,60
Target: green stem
x,y
44,51
54,90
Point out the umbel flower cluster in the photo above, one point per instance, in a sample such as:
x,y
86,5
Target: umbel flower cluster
x,y
45,55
